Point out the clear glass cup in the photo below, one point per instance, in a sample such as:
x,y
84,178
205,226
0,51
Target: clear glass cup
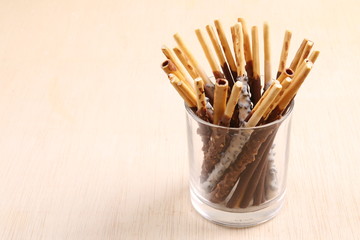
x,y
238,175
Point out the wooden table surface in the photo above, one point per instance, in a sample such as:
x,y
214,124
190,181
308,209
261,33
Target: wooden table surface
x,y
93,141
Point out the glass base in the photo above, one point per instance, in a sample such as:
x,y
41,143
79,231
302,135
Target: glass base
x,y
240,218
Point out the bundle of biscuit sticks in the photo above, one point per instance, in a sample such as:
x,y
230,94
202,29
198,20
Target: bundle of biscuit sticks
x,y
234,167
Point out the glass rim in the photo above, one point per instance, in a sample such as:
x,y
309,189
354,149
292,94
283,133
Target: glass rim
x,y
285,116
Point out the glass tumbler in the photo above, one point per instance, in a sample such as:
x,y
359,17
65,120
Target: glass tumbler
x,y
238,175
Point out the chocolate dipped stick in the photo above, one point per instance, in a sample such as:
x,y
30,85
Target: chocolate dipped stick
x,y
219,136
231,154
257,175
255,83
226,48
245,178
247,48
259,195
209,55
219,53
232,173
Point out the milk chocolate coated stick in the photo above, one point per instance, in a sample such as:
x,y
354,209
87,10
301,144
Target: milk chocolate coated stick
x,y
232,173
259,195
257,175
245,178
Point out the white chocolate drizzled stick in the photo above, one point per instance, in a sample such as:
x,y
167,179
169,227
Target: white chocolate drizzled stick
x,y
284,53
244,102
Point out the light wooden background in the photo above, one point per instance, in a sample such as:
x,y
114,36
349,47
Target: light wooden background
x,y
92,136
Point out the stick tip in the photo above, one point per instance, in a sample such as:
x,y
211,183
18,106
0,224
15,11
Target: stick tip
x,y
198,80
221,82
165,63
238,84
241,20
